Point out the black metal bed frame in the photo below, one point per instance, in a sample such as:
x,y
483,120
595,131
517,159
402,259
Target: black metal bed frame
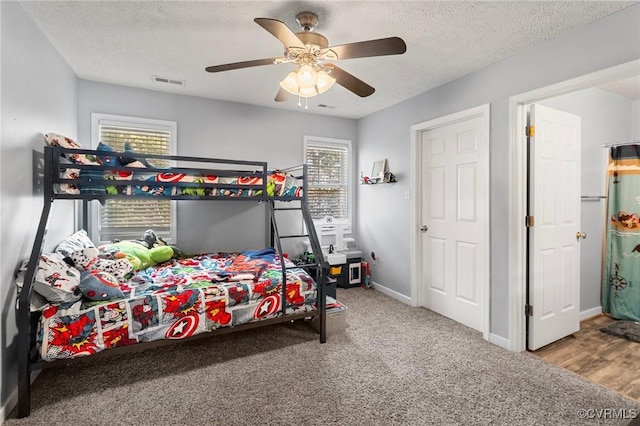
x,y
28,357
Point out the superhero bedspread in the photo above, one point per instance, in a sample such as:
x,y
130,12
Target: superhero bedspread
x,y
175,300
105,172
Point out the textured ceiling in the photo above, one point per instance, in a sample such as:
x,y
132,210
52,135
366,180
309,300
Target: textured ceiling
x,y
127,42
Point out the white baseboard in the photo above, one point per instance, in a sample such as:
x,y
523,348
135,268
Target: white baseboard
x,y
499,341
392,293
589,313
504,343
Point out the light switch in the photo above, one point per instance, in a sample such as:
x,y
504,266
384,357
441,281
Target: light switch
x,y
407,194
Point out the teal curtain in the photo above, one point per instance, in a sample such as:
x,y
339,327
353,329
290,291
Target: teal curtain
x,y
621,273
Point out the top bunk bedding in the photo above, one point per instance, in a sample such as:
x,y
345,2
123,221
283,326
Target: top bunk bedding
x,y
106,173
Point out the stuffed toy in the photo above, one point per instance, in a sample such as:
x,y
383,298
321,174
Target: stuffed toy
x,y
139,255
88,259
150,239
133,160
99,285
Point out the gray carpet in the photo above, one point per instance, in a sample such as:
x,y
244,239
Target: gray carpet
x,y
629,330
395,365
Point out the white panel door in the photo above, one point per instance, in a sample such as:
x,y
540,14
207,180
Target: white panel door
x,y
554,238
455,243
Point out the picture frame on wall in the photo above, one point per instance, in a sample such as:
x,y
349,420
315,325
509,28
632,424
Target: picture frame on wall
x,y
378,170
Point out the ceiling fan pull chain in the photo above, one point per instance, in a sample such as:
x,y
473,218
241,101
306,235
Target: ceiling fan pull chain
x,y
306,104
299,103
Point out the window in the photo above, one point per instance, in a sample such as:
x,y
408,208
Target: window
x,y
330,189
122,218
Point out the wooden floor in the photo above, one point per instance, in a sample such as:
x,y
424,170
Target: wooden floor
x,y
601,358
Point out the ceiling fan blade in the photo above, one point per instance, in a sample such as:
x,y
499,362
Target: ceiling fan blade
x,y
363,49
280,31
350,82
238,65
282,95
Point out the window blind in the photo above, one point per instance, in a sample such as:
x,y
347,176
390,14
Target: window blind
x,y
128,219
328,171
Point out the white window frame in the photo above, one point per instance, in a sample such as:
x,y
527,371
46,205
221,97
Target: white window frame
x,y
332,142
152,124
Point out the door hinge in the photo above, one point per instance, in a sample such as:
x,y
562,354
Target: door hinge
x,y
528,221
528,310
530,131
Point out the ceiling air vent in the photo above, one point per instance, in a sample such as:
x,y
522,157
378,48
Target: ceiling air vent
x,y
167,80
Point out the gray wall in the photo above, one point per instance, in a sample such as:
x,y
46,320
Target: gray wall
x,y
384,215
606,118
39,95
218,129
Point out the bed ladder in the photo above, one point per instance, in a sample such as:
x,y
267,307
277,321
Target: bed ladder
x,y
319,264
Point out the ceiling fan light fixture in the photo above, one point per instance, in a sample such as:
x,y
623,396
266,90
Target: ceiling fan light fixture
x,y
290,84
325,81
306,76
321,80
307,92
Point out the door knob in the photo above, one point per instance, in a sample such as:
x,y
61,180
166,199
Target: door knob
x,y
580,235
424,228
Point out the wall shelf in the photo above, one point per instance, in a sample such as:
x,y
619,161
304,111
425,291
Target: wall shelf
x,y
389,178
374,183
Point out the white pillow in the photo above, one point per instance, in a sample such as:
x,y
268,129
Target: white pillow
x,y
54,139
78,241
55,280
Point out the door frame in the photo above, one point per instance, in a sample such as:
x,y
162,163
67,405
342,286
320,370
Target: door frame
x,y
518,181
416,202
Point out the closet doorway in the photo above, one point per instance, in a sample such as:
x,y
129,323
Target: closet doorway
x,y
593,101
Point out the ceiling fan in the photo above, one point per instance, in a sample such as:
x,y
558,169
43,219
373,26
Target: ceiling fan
x,y
315,72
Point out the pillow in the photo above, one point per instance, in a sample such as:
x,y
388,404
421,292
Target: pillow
x,y
55,280
54,139
68,188
99,285
36,301
78,241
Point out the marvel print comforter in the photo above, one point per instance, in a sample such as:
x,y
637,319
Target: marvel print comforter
x,y
176,300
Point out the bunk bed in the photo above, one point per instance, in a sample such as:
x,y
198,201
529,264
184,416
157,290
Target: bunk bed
x,y
213,277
